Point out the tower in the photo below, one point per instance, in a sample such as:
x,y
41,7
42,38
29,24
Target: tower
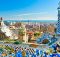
x,y
58,24
0,20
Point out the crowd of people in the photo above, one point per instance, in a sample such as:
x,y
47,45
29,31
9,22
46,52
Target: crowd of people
x,y
52,51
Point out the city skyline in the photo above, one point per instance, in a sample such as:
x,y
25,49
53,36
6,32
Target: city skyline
x,y
29,9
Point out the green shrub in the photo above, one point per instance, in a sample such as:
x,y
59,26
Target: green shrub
x,y
1,50
17,42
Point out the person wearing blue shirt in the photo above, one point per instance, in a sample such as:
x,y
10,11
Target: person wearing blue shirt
x,y
18,54
58,54
54,54
41,53
33,55
27,53
37,52
45,54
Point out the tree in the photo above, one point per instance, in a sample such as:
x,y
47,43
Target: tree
x,y
36,34
21,34
55,30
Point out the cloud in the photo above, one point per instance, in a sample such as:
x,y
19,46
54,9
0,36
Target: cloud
x,y
34,16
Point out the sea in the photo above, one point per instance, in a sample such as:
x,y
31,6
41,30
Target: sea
x,y
42,21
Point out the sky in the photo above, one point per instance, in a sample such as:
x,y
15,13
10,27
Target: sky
x,y
29,9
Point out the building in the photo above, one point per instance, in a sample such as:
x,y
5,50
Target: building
x,y
51,29
6,30
0,21
3,36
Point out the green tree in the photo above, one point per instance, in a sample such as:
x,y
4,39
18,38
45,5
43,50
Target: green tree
x,y
36,34
21,34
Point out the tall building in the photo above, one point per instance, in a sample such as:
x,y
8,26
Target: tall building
x,y
0,21
58,24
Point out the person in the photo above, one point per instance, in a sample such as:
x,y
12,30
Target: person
x,y
27,53
16,49
58,51
24,53
45,54
55,46
33,55
41,53
37,52
18,52
54,54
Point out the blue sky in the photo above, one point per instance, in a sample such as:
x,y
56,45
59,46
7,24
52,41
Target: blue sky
x,y
29,9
